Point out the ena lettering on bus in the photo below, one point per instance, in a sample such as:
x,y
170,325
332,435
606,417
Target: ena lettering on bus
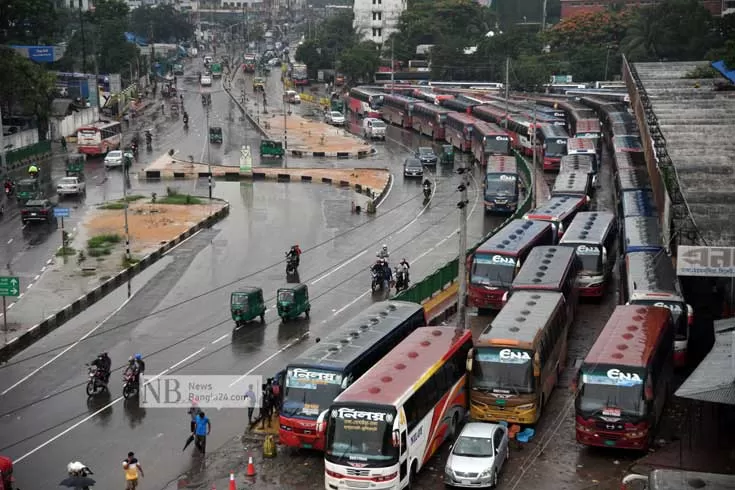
x,y
501,138
499,259
619,375
675,308
586,250
561,142
351,414
508,177
514,355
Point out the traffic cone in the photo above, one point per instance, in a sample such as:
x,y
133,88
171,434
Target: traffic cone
x,y
251,466
232,481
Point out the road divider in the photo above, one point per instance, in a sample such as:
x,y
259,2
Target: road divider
x,y
52,322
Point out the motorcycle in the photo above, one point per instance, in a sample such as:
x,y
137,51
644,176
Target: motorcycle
x,y
186,122
401,279
427,191
291,266
130,386
9,190
96,383
378,282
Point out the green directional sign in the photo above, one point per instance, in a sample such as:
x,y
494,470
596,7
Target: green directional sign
x,y
9,286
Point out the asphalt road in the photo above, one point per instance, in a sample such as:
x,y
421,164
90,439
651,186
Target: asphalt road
x,y
178,316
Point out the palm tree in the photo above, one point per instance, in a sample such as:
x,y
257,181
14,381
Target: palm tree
x,y
642,38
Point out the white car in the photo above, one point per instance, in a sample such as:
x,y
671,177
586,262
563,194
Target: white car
x,y
115,158
477,456
373,128
336,118
207,60
292,97
71,186
206,81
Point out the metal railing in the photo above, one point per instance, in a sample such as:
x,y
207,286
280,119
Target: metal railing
x,y
16,157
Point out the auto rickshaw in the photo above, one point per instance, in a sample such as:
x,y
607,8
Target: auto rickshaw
x,y
271,149
27,190
292,301
175,108
75,164
258,84
215,135
246,305
206,99
447,155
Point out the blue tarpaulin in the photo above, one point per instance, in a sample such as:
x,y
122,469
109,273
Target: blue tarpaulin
x,y
722,68
133,38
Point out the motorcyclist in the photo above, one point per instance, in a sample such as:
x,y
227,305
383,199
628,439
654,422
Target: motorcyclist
x,y
103,363
163,107
8,186
186,119
387,272
136,367
383,253
404,266
427,187
294,253
33,171
148,137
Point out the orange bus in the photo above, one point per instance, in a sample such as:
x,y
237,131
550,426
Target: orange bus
x,y
99,138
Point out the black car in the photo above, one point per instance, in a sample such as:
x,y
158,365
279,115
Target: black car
x,y
426,155
37,210
412,167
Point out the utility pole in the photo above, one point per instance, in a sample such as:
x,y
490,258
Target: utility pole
x,y
285,133
507,89
3,156
84,43
462,257
533,146
209,157
392,67
126,204
543,17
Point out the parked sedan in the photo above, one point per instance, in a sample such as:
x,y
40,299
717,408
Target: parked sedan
x,y
426,155
335,118
412,167
71,186
477,456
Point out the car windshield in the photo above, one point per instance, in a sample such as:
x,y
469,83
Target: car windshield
x,y
115,154
336,114
426,151
502,370
378,124
68,180
493,270
363,434
285,295
309,392
413,163
473,447
603,395
501,184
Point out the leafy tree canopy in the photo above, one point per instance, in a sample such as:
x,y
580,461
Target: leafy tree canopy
x,y
602,28
32,22
333,37
164,22
25,87
360,61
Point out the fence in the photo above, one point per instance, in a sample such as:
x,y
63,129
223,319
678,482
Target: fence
x,y
446,275
21,139
68,126
17,157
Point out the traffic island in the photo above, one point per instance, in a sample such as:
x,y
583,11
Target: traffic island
x,y
94,261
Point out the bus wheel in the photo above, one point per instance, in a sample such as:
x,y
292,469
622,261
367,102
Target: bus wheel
x,y
412,478
453,427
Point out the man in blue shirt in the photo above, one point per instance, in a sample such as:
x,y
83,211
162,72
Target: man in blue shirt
x,y
203,428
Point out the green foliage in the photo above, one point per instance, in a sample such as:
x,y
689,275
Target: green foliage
x,y
166,23
332,38
30,22
513,12
66,252
99,252
103,240
183,199
24,84
360,61
112,205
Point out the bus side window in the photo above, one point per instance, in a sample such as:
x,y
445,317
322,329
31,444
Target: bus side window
x,y
404,442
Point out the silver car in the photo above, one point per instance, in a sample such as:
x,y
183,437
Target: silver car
x,y
477,456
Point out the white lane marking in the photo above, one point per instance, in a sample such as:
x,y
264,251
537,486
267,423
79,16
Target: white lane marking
x,y
43,269
352,302
221,338
29,286
324,276
423,210
48,262
10,241
269,358
10,306
185,359
57,356
385,197
37,276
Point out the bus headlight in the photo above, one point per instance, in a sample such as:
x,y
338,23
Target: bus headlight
x,y
527,406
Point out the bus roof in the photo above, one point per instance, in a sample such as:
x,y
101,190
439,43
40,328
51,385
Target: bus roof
x,y
589,228
545,268
98,125
400,98
625,159
581,144
630,336
557,207
549,131
621,116
571,184
419,353
462,117
587,126
501,164
633,179
577,163
522,319
356,336
514,237
638,203
458,104
624,128
432,108
651,274
366,91
627,142
488,111
642,232
488,129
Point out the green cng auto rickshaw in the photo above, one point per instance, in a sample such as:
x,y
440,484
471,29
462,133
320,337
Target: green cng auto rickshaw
x,y
75,164
447,155
271,149
292,301
28,189
215,135
246,305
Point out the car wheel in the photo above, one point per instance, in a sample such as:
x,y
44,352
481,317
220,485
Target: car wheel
x,y
494,480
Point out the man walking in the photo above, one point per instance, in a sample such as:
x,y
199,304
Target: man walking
x,y
250,401
132,467
203,428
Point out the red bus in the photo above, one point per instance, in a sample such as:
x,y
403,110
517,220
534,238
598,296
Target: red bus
x,y
365,102
559,211
384,428
501,187
496,262
99,138
314,379
458,130
623,382
488,140
398,109
588,129
554,143
429,119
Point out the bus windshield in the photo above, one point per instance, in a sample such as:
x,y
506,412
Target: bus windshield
x,y
496,145
493,270
555,147
677,310
503,370
309,392
496,184
591,258
602,395
364,435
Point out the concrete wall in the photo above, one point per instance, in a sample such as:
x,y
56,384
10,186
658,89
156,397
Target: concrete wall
x,y
376,20
69,125
21,140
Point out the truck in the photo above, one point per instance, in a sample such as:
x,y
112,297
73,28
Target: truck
x,y
249,63
216,69
299,75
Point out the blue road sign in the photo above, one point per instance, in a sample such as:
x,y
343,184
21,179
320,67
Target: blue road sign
x,y
61,212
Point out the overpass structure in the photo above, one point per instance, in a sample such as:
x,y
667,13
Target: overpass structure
x,y
687,129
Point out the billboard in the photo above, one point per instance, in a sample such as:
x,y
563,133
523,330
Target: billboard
x,y
705,261
41,54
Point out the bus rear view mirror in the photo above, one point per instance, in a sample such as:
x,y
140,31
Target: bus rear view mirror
x,y
468,362
321,422
396,439
574,385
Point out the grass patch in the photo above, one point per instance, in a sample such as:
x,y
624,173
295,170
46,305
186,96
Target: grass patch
x,y
112,205
88,273
99,252
66,251
104,278
104,240
183,199
133,198
129,262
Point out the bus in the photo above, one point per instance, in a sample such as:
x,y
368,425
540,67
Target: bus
x,y
584,146
315,378
588,129
365,102
632,179
501,187
496,261
553,269
398,109
517,359
629,160
488,139
461,104
627,143
99,138
623,382
641,234
489,86
559,211
382,430
649,279
592,235
640,203
299,74
430,120
554,143
521,130
458,130
579,163
573,184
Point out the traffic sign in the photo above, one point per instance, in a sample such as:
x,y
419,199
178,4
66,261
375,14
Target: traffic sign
x,y
9,286
61,212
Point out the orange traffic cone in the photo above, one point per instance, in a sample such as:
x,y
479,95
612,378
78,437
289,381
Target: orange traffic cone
x,y
251,467
232,482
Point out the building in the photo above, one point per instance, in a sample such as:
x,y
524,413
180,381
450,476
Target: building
x,y
570,8
376,20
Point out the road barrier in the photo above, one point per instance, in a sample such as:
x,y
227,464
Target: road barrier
x,y
437,292
23,157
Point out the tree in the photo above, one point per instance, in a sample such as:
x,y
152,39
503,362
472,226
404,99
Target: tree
x,y
25,87
601,28
164,23
308,53
360,62
31,22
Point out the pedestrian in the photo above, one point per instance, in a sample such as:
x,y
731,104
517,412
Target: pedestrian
x,y
250,401
193,412
203,428
63,143
132,468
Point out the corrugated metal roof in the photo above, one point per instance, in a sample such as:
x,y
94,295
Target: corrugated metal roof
x,y
714,379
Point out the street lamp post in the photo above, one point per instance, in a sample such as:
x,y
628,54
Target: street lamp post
x,y
209,159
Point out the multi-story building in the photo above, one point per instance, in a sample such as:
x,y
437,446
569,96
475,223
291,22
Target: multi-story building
x,y
376,20
570,8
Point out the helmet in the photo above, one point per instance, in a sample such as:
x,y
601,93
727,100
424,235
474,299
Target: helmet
x,y
138,357
385,247
131,359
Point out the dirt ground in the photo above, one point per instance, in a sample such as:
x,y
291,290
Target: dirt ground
x,y
306,135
